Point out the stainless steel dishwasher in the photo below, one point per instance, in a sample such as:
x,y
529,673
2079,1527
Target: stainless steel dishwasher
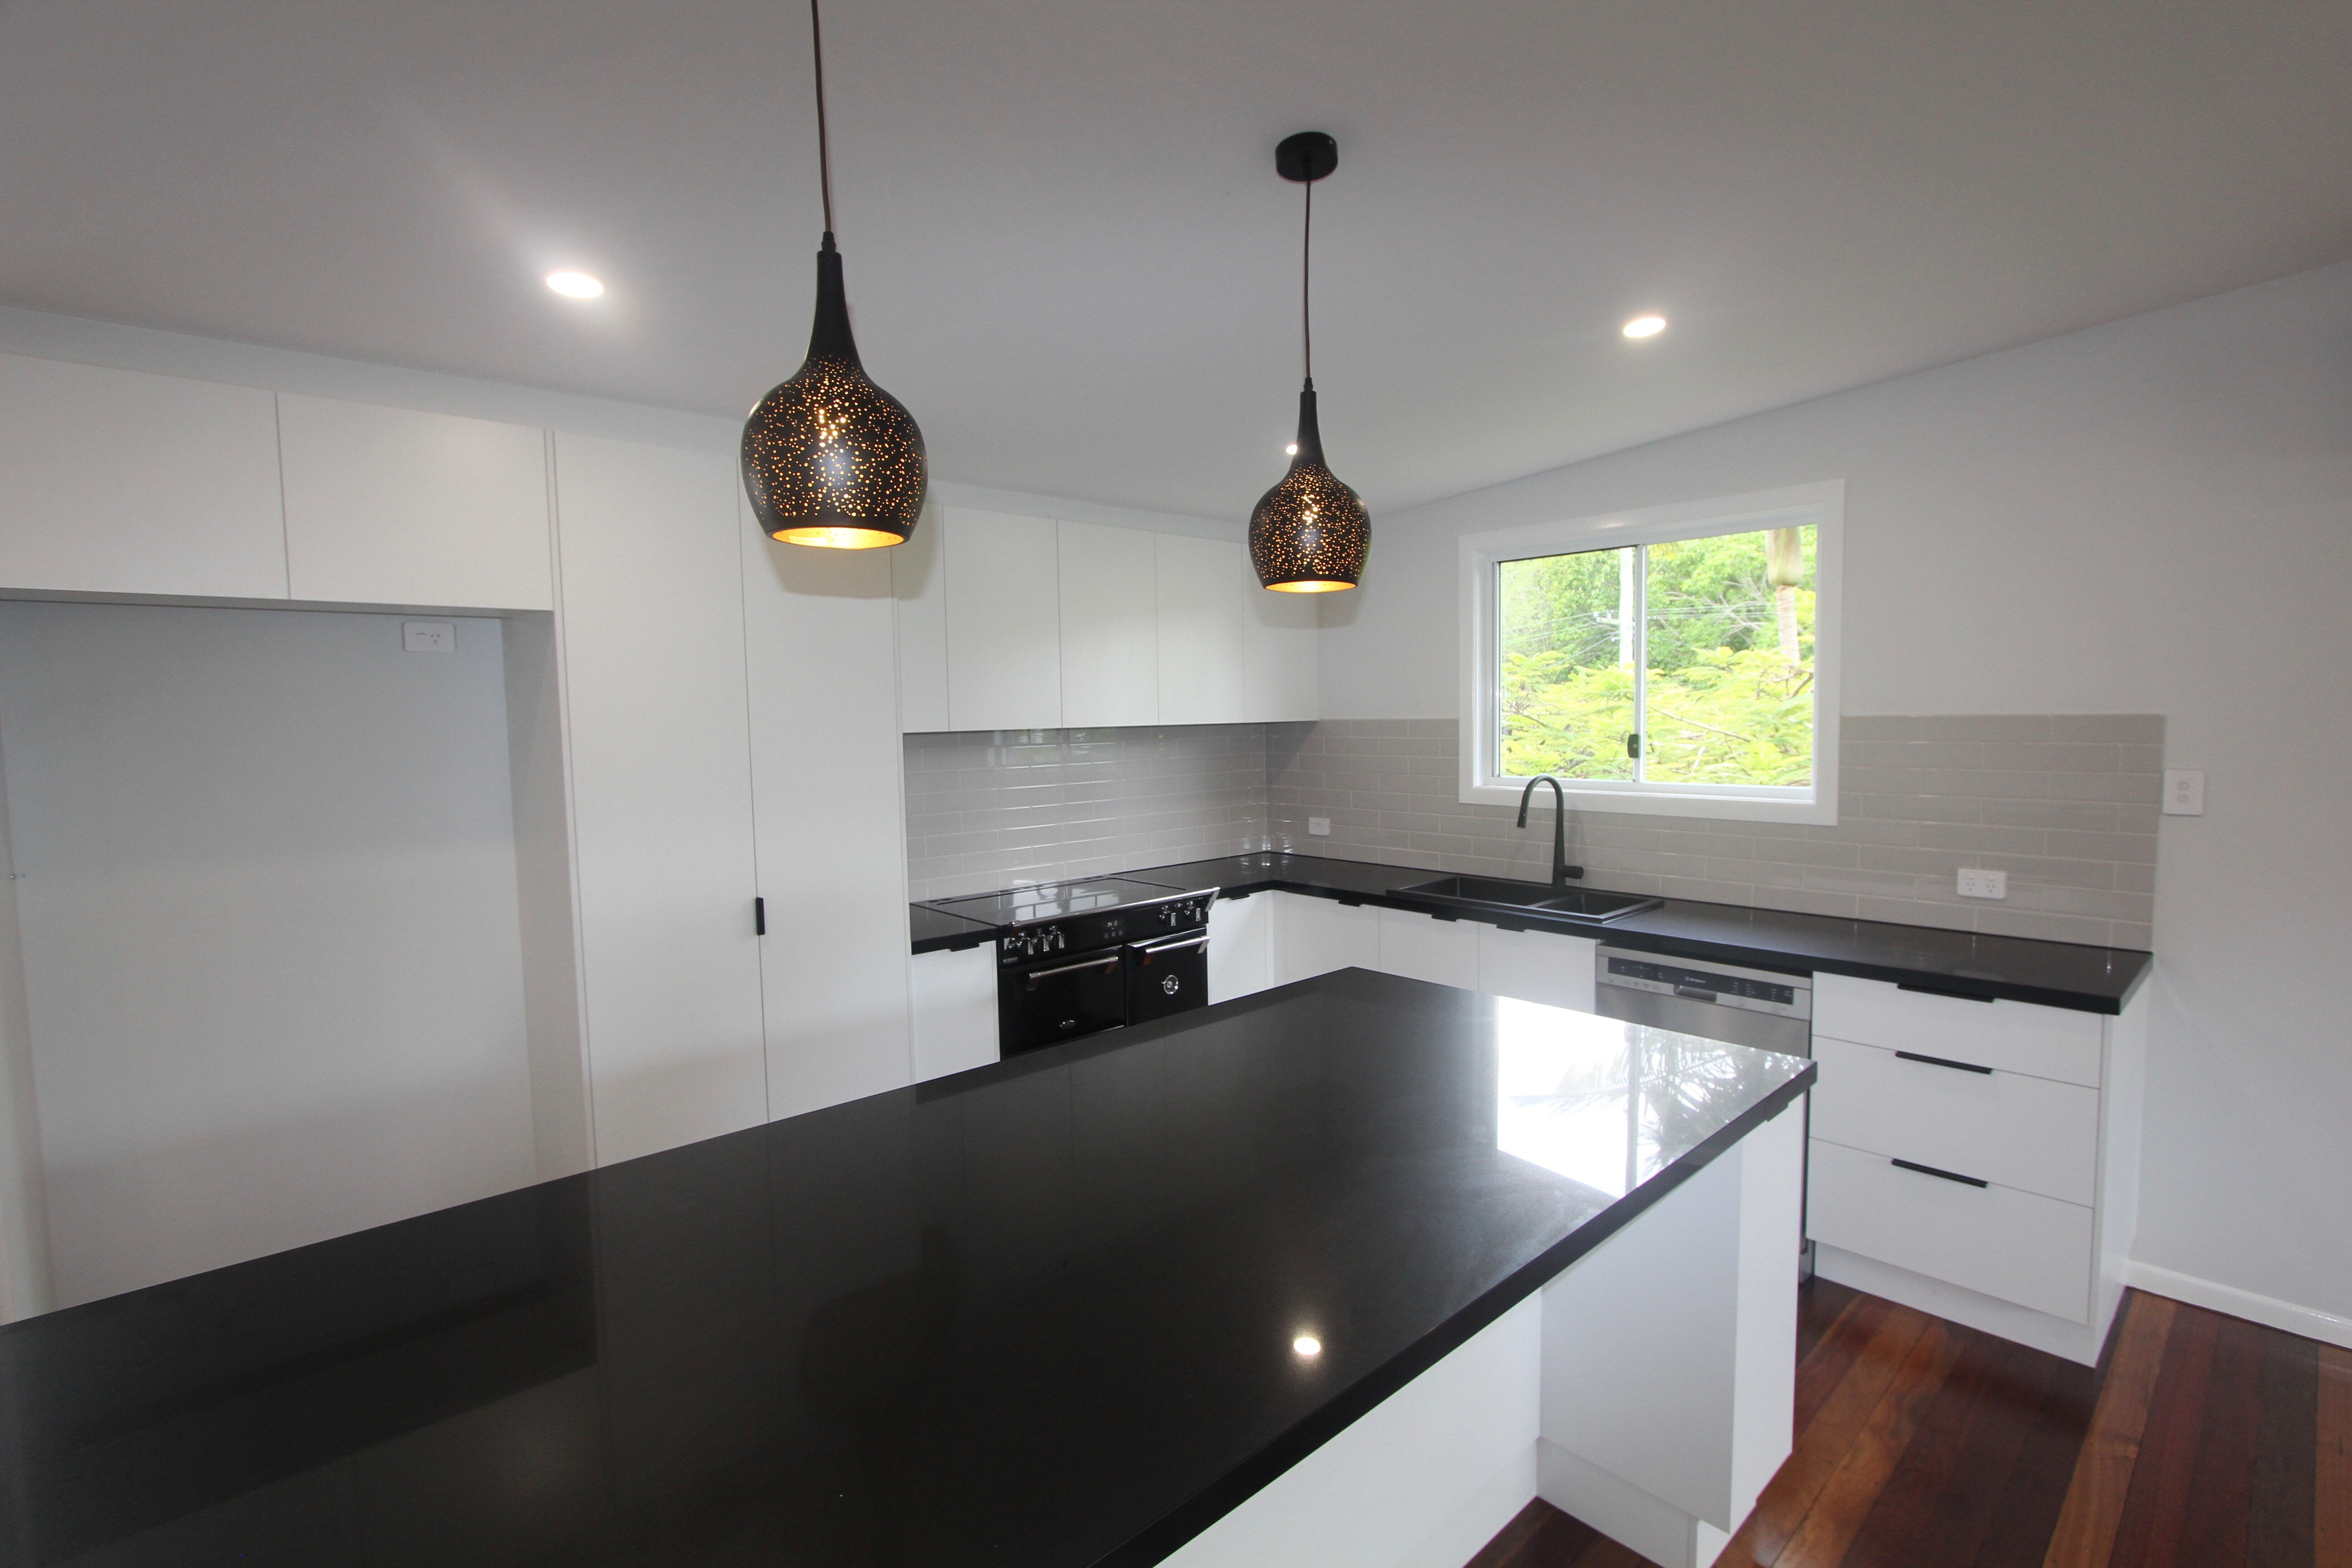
x,y
1760,1007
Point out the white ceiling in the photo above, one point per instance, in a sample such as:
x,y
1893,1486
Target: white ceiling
x,y
1068,252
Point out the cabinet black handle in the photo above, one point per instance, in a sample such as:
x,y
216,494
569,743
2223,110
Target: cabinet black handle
x,y
1948,1175
759,917
1942,1062
1939,991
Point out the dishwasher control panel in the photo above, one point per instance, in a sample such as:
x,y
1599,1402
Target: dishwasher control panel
x,y
1752,991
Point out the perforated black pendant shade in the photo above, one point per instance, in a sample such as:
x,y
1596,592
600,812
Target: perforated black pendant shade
x,y
830,459
1310,533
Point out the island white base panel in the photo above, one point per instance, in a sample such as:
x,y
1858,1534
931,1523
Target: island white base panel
x,y
1649,1390
1973,1308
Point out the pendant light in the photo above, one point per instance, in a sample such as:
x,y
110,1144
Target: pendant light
x,y
1309,533
830,459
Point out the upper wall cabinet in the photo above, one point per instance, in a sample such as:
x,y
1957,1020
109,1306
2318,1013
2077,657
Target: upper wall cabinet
x,y
1018,623
1004,622
1110,631
118,482
388,506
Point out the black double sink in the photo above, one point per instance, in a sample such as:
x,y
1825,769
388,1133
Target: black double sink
x,y
1494,893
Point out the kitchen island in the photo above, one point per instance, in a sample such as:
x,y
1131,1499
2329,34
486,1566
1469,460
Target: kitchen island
x,y
1344,1271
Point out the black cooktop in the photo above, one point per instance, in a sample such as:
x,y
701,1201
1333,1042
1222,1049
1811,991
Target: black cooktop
x,y
1055,900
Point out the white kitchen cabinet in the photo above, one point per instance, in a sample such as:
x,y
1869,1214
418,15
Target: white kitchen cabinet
x,y
2013,1246
1422,947
661,779
918,579
1315,936
1241,946
2026,1121
955,1011
389,506
1551,967
120,482
1003,621
826,765
1281,678
2031,1133
1200,587
1110,627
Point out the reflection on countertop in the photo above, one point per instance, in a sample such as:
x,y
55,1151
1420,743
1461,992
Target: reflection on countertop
x,y
1039,1313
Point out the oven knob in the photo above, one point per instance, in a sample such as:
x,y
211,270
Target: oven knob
x,y
1052,939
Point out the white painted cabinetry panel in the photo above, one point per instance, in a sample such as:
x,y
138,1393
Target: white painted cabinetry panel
x,y
661,771
389,506
1281,678
192,506
1422,947
918,576
1003,621
1200,586
1110,627
955,1011
2015,1036
1315,936
2018,1246
1537,966
1241,946
827,764
2031,1133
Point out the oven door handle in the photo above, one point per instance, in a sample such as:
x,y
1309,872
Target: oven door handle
x,y
1037,974
1179,945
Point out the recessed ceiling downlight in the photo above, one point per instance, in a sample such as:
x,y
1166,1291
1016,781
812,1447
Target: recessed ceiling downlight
x,y
1645,326
574,285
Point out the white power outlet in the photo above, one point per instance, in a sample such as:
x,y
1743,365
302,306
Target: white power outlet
x,y
2184,791
1984,884
427,636
1321,826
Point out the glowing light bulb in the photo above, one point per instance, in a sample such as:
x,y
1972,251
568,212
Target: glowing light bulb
x,y
1307,1347
1291,450
574,285
1645,326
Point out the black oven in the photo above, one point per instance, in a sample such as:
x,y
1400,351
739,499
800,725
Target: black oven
x,y
1096,956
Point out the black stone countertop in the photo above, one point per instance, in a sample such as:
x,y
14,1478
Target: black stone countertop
x,y
1039,1314
2018,969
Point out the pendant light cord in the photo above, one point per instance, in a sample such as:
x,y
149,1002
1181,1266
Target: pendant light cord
x,y
823,148
1306,282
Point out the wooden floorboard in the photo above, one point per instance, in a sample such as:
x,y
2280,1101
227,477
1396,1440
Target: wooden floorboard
x,y
2203,1440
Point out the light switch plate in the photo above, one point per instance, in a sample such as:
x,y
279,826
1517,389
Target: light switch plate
x,y
1984,884
2184,791
427,636
1321,826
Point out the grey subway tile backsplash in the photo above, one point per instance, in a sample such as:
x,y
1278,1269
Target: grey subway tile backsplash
x,y
2066,803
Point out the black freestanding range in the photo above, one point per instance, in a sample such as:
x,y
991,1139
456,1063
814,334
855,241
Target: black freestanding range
x,y
1076,958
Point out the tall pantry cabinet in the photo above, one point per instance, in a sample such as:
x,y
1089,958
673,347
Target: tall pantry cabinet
x,y
733,743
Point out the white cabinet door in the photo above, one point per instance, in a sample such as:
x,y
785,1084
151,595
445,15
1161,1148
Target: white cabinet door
x,y
118,482
1281,679
918,576
1422,947
1201,586
955,1011
1315,936
826,763
1241,946
1110,627
388,506
661,776
1537,966
1003,615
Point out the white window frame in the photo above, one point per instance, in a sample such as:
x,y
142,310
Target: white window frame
x,y
1821,506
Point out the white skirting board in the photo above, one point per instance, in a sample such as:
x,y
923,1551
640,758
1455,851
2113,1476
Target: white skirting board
x,y
2268,1310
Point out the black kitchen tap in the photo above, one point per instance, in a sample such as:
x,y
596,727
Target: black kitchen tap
x,y
1560,869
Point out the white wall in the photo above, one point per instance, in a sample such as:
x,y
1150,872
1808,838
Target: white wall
x,y
2151,516
270,927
